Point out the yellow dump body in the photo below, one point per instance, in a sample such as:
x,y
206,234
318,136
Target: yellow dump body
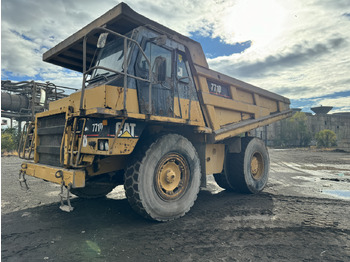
x,y
226,107
232,107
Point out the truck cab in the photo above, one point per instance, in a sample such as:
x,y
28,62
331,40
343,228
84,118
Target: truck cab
x,y
152,58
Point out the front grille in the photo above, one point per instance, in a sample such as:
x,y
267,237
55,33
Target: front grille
x,y
50,132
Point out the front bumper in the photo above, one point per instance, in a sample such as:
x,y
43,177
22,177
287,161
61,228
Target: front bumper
x,y
73,177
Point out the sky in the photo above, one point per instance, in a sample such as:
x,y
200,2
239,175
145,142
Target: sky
x,y
296,48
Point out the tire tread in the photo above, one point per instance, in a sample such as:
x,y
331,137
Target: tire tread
x,y
132,175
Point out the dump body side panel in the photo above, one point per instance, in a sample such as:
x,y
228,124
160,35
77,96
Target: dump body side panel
x,y
232,107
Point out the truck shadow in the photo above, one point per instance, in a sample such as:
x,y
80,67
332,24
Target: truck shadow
x,y
96,214
101,228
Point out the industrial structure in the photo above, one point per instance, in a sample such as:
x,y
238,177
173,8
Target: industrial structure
x,y
339,123
20,101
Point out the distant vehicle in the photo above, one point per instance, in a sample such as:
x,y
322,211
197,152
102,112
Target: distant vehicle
x,y
150,115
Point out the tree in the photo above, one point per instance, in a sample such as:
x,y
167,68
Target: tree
x,y
9,140
326,138
294,131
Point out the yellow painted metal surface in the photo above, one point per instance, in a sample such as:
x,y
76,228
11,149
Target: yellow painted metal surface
x,y
234,105
107,100
104,96
60,104
226,116
54,111
272,106
242,109
214,158
247,125
244,97
121,146
196,113
111,97
75,177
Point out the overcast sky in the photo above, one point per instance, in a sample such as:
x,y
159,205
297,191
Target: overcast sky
x,y
296,48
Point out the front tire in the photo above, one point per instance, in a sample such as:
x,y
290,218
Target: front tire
x,y
163,181
248,171
97,187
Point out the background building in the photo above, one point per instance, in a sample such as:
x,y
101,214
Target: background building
x,y
339,123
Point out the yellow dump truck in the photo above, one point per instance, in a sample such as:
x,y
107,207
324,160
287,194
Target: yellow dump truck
x,y
150,115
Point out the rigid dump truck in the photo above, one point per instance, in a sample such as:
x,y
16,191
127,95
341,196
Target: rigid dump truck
x,y
150,115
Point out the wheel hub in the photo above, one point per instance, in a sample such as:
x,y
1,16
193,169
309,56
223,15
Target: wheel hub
x,y
172,176
257,166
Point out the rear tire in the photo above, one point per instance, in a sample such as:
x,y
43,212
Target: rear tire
x,y
163,180
248,171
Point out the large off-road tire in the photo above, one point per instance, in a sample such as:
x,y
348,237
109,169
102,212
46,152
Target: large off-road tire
x,y
163,180
96,187
248,171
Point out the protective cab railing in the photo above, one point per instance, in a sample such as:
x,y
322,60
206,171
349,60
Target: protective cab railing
x,y
126,61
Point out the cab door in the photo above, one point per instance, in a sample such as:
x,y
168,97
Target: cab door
x,y
162,95
186,99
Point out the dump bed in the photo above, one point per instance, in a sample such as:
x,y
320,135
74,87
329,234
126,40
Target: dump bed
x,y
232,107
228,106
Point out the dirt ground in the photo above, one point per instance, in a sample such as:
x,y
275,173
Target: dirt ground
x,y
302,215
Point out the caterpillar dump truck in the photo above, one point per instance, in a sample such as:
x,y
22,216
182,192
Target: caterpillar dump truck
x,y
150,115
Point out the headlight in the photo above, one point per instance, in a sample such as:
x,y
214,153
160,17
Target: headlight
x,y
103,145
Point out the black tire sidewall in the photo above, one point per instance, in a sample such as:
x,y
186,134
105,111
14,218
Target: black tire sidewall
x,y
256,185
154,205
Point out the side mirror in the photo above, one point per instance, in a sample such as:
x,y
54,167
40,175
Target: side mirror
x,y
184,80
102,39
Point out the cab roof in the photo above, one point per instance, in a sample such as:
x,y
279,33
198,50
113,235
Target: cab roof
x,y
121,19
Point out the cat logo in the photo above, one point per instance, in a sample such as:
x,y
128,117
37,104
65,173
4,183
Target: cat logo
x,y
127,131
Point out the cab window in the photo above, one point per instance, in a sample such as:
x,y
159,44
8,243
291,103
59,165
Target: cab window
x,y
182,73
160,59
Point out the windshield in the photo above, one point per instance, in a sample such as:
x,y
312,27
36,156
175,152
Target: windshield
x,y
111,56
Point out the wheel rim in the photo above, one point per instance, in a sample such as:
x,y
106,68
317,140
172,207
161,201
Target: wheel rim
x,y
172,176
257,165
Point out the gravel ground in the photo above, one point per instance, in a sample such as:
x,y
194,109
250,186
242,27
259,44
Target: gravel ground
x,y
302,215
